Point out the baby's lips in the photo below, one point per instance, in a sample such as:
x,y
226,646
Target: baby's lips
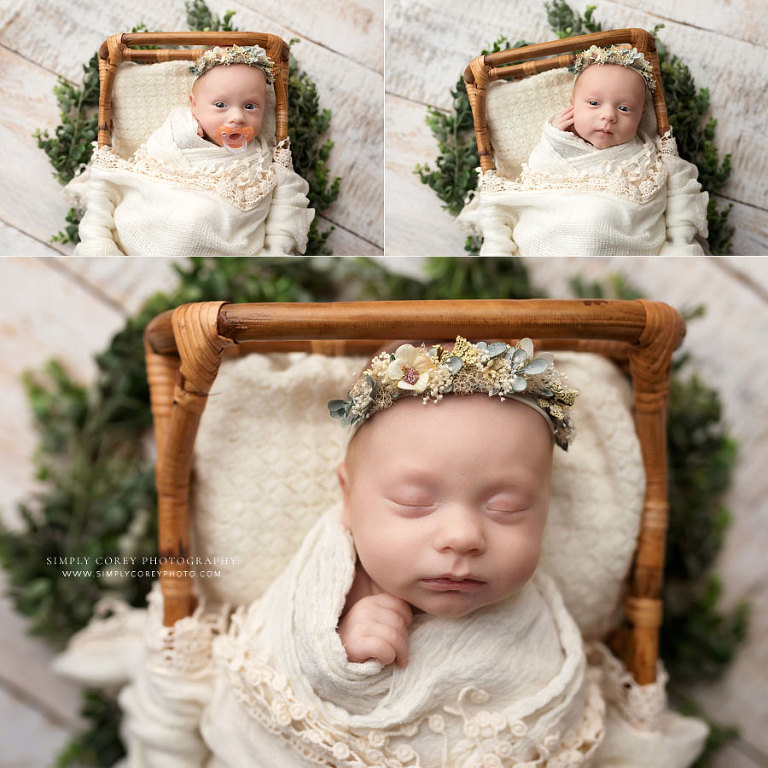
x,y
234,138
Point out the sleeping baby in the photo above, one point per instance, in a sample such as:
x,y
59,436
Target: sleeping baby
x,y
414,626
205,183
594,185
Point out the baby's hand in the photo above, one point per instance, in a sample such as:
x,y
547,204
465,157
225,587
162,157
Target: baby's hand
x,y
376,627
564,120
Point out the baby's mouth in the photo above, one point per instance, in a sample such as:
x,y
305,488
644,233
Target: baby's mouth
x,y
451,584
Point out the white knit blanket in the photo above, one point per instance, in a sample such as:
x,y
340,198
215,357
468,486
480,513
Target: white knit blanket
x,y
507,683
638,198
507,686
180,194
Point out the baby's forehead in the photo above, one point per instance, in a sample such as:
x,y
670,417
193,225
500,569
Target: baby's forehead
x,y
223,75
410,419
598,75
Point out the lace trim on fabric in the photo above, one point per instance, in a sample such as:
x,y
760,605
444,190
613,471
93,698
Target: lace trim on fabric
x,y
490,739
642,706
184,648
111,618
243,185
638,181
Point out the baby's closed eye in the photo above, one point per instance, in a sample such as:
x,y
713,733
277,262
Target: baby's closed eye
x,y
508,505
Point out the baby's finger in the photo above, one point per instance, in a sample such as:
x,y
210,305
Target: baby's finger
x,y
372,647
396,604
396,641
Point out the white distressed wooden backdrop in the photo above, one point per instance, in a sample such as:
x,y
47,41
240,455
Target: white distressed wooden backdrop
x,y
69,308
430,42
341,48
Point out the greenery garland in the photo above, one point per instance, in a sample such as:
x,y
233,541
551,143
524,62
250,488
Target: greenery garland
x,y
454,176
71,145
98,495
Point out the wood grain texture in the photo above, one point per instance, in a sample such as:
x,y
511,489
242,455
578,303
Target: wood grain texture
x,y
430,43
740,19
43,314
353,28
34,740
416,223
37,41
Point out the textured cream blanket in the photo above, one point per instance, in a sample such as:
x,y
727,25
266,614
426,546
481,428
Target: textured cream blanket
x,y
507,684
181,195
638,198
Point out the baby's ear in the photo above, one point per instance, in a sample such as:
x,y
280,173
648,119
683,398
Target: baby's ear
x,y
343,476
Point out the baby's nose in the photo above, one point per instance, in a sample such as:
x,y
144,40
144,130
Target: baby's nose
x,y
460,531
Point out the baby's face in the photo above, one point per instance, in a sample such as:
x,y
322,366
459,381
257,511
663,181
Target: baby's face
x,y
608,102
234,96
447,503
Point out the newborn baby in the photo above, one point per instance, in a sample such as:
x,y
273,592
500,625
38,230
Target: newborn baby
x,y
206,183
593,185
413,627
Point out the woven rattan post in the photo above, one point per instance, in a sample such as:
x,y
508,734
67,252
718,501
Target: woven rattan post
x,y
650,366
188,345
533,59
199,354
119,48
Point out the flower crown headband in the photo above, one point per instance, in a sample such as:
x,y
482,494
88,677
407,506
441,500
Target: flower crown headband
x,y
495,368
624,57
252,55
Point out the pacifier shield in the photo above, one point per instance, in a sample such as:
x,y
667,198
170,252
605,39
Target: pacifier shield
x,y
234,139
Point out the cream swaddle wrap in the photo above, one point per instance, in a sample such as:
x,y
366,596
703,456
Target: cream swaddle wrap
x,y
508,683
637,198
180,194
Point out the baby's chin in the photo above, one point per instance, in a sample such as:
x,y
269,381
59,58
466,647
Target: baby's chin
x,y
604,142
450,608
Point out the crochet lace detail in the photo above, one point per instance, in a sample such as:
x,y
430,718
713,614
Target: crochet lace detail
x,y
490,739
244,185
638,181
642,706
184,648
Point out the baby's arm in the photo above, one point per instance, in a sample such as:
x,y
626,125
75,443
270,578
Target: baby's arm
x,y
289,216
686,209
97,227
564,120
376,627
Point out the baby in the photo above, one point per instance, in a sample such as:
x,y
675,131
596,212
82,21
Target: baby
x,y
413,627
205,183
595,185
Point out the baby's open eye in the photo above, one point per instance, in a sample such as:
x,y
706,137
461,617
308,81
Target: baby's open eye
x,y
593,102
219,105
624,108
251,106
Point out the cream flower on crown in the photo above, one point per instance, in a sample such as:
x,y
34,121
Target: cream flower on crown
x,y
410,368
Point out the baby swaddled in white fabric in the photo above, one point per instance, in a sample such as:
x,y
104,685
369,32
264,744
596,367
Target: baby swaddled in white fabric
x,y
594,185
205,182
413,628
